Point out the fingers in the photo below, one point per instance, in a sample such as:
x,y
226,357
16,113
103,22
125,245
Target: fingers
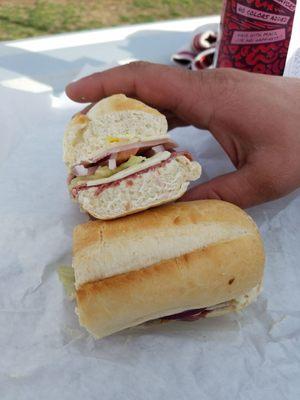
x,y
169,88
236,188
138,79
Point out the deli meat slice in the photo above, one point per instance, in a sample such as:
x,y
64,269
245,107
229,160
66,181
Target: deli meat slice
x,y
194,315
190,315
125,147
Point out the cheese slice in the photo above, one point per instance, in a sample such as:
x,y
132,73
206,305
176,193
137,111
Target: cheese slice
x,y
149,162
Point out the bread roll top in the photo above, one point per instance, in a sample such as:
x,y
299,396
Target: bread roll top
x,y
105,249
113,121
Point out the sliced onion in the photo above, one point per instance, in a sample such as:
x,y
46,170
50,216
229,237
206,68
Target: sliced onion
x,y
112,162
80,170
158,149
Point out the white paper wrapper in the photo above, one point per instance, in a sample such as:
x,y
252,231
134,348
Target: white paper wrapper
x,y
44,352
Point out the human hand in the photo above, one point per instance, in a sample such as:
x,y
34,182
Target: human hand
x,y
255,118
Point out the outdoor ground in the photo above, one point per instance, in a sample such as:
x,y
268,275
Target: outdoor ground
x,y
20,19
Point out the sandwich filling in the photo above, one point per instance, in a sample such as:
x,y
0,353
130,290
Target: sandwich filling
x,y
194,315
122,162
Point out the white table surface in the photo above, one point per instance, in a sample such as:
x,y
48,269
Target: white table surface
x,y
44,354
55,60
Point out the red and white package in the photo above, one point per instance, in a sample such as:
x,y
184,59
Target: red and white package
x,y
255,35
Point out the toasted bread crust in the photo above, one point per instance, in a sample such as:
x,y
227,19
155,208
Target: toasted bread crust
x,y
164,261
195,280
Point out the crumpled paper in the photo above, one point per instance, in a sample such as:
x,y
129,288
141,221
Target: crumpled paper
x,y
45,354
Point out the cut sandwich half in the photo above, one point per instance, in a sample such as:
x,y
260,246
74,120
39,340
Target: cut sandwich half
x,y
121,159
180,261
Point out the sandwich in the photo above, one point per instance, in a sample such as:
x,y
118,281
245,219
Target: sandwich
x,y
121,159
181,261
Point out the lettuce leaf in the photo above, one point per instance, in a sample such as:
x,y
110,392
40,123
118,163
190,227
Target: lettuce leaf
x,y
105,172
67,278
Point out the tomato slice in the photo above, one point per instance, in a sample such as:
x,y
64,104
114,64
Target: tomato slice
x,y
123,156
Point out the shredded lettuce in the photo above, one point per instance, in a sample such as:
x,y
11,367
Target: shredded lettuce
x,y
67,278
105,172
101,172
133,160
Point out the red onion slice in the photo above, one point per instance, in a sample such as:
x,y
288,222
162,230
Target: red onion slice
x,y
80,170
190,315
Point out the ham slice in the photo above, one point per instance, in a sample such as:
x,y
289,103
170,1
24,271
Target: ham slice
x,y
126,147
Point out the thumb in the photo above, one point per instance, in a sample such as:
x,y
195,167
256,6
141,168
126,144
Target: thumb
x,y
236,187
